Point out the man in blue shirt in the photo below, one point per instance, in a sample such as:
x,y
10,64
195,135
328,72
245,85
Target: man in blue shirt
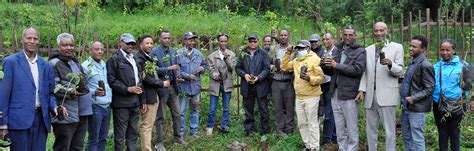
x,y
167,68
192,64
99,123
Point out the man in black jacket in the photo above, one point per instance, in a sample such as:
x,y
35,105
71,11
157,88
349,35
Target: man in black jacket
x,y
151,83
253,66
123,78
348,65
415,91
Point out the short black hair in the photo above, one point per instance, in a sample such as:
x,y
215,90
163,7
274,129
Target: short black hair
x,y
451,42
143,37
424,42
351,27
164,31
284,29
266,37
330,33
222,34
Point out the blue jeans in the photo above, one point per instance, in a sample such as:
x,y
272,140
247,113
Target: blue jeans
x,y
99,124
413,124
194,119
225,108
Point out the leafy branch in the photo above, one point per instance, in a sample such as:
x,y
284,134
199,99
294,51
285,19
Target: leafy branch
x,y
150,67
74,79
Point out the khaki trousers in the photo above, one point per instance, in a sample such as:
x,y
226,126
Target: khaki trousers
x,y
308,122
146,127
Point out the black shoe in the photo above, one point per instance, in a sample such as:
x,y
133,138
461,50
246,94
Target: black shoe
x,y
223,129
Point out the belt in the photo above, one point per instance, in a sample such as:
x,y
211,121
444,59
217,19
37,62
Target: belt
x,y
37,109
284,80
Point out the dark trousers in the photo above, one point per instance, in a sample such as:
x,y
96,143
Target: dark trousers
x,y
77,143
283,96
33,138
448,129
329,125
249,104
64,135
171,100
125,128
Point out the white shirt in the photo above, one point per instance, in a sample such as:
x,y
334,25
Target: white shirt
x,y
35,73
130,59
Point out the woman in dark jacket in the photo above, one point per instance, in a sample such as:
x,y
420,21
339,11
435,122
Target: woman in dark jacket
x,y
70,84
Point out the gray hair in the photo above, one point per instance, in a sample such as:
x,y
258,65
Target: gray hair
x,y
63,36
30,29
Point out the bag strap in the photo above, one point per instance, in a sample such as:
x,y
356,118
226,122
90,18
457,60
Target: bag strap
x,y
440,81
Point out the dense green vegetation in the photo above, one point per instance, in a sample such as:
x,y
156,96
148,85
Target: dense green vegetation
x,y
209,18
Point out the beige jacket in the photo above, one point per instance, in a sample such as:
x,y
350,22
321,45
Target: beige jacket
x,y
220,70
384,79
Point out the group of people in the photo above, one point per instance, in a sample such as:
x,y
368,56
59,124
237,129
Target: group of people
x,y
306,79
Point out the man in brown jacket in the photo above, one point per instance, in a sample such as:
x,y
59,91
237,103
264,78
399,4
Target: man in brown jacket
x,y
220,65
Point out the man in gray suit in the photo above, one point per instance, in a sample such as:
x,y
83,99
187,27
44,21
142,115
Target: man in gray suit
x,y
379,84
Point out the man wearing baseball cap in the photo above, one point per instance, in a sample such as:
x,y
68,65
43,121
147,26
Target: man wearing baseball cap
x,y
123,78
253,66
308,78
192,64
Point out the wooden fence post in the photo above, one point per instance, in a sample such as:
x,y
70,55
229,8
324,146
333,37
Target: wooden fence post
x,y
463,42
48,39
363,33
439,31
446,24
409,26
1,42
401,27
419,22
428,29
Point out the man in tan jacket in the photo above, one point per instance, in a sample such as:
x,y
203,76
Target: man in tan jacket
x,y
220,64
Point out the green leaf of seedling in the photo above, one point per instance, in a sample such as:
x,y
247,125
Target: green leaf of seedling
x,y
57,88
1,74
1,68
76,80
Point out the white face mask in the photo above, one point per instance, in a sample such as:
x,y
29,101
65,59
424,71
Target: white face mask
x,y
302,53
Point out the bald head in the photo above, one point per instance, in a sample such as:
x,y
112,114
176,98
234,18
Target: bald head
x,y
30,40
31,31
380,31
97,51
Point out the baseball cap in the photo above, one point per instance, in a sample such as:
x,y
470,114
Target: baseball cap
x,y
314,37
303,44
252,36
189,35
127,38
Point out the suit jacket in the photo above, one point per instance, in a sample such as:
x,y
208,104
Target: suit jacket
x,y
18,92
262,69
383,78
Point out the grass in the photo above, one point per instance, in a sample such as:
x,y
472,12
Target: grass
x,y
219,141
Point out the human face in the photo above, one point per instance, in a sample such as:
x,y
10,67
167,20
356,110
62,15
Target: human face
x,y
284,36
349,36
165,39
147,44
447,51
253,44
380,31
415,48
223,42
127,47
30,41
97,51
315,44
66,47
267,42
190,42
328,41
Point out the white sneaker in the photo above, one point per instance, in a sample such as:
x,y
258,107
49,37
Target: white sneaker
x,y
209,131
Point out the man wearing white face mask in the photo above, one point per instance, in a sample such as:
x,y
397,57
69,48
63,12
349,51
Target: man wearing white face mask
x,y
308,78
